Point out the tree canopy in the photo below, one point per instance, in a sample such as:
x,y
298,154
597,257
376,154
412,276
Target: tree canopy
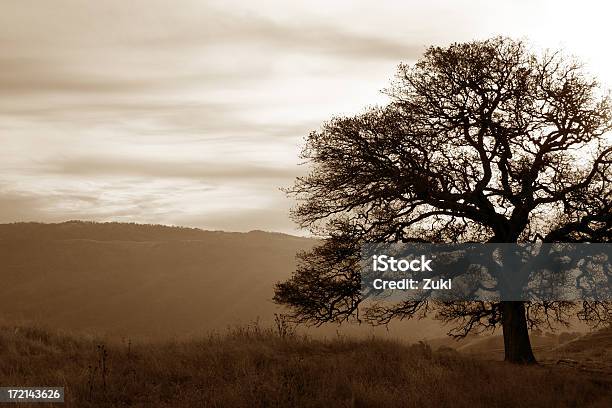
x,y
486,141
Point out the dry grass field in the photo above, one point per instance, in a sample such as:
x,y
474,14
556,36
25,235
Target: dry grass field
x,y
256,367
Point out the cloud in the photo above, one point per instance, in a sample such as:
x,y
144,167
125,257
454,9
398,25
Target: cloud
x,y
218,172
19,76
302,37
188,112
21,206
176,202
202,121
88,49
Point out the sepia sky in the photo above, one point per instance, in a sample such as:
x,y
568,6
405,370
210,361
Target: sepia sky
x,y
193,112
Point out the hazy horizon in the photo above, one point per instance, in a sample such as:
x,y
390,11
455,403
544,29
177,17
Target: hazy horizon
x,y
193,113
297,234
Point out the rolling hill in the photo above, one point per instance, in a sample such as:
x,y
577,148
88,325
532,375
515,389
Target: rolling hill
x,y
157,282
146,280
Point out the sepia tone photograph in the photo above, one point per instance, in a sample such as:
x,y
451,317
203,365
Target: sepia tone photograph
x,y
313,203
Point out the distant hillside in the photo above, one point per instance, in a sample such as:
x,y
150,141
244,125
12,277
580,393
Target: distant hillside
x,y
132,279
154,281
117,231
594,347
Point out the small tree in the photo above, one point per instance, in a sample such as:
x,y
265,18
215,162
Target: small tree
x,y
484,141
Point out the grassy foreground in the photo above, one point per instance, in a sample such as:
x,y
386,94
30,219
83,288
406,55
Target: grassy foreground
x,y
253,367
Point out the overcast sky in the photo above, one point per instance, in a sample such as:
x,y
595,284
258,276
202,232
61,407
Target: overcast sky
x,y
193,112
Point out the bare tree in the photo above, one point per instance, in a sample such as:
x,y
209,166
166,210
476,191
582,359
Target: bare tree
x,y
484,141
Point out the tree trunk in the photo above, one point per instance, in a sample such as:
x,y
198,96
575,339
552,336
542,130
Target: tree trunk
x,y
517,347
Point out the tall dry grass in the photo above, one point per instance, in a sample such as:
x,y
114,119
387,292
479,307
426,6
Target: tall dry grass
x,y
256,367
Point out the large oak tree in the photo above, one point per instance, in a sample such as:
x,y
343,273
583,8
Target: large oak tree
x,y
485,141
